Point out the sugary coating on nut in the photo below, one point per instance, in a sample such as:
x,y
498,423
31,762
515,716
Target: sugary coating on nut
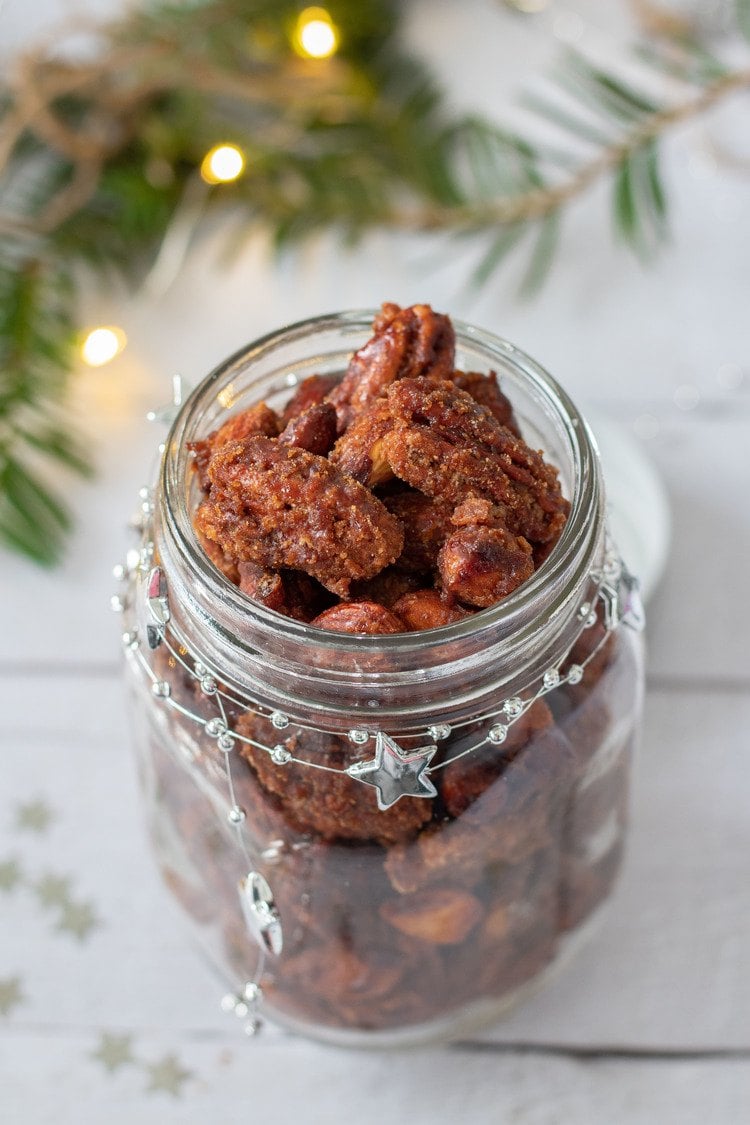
x,y
406,343
280,506
485,390
258,419
406,478
447,445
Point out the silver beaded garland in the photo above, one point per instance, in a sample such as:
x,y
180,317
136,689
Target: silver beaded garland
x,y
439,732
280,754
497,733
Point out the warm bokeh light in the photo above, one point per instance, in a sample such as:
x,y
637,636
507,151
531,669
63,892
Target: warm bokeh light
x,y
222,164
315,35
102,345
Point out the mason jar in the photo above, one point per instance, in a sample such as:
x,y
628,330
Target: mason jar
x,y
382,839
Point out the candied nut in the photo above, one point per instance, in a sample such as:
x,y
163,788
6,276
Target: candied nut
x,y
481,565
263,585
485,390
281,506
476,511
428,609
359,450
441,915
258,419
445,444
221,561
310,392
313,430
386,587
359,617
406,343
427,524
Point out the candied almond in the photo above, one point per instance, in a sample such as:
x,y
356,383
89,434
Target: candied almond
x,y
310,392
428,609
314,429
440,915
482,565
359,617
359,450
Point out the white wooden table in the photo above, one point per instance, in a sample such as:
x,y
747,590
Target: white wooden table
x,y
106,1012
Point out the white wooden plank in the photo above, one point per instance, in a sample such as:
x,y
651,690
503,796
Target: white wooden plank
x,y
669,969
51,1079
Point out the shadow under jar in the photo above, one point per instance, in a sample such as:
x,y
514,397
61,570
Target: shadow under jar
x,y
269,749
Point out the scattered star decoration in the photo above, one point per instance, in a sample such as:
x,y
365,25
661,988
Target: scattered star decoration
x,y
10,874
36,816
53,890
78,918
396,773
114,1051
167,1075
10,995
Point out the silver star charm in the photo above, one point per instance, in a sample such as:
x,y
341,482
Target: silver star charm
x,y
396,773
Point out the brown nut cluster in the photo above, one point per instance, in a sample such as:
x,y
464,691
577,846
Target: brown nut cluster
x,y
403,479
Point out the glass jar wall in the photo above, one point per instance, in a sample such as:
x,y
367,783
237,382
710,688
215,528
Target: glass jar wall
x,y
388,836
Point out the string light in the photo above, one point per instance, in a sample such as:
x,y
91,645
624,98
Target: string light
x,y
101,345
315,35
222,164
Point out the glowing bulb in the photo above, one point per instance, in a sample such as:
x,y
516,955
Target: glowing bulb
x,y
222,164
315,35
102,345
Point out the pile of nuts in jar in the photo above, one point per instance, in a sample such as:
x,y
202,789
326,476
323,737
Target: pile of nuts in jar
x,y
398,497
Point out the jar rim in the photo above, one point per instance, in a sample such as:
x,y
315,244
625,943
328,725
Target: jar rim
x,y
585,501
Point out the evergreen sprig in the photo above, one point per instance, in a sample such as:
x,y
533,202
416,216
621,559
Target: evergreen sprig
x,y
100,158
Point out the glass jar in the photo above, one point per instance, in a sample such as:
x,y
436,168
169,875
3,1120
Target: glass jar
x,y
383,838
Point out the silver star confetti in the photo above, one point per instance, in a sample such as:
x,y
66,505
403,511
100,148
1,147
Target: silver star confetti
x,y
10,874
167,1075
396,773
10,995
78,918
36,816
114,1051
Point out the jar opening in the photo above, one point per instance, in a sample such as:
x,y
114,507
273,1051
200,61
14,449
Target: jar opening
x,y
262,641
